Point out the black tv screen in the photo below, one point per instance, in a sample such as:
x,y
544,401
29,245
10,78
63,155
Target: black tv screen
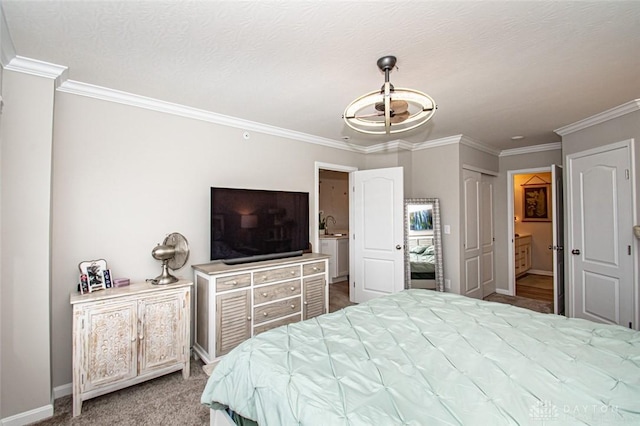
x,y
250,223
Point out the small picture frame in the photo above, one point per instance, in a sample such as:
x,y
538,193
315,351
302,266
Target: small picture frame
x,y
536,203
106,275
94,269
83,286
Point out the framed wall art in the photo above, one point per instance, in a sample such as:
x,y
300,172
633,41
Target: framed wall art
x,y
536,203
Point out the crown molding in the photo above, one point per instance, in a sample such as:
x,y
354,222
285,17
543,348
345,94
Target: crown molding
x,y
391,146
7,50
531,149
125,98
466,140
450,140
38,68
609,114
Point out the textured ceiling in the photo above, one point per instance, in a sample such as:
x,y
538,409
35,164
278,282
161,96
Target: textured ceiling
x,y
495,68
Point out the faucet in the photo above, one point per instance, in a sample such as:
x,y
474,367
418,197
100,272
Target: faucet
x,y
333,219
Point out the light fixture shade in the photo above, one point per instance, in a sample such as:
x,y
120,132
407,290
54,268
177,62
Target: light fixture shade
x,y
389,110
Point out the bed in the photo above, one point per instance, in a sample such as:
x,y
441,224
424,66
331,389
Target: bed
x,y
423,357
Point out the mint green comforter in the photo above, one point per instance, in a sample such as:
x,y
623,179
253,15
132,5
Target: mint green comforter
x,y
426,358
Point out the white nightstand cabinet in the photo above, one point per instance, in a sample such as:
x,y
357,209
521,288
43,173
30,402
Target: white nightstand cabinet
x,y
125,336
236,302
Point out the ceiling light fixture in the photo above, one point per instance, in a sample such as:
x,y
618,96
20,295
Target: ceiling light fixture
x,y
389,110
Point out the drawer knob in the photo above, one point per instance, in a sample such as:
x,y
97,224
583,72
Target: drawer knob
x,y
315,268
234,282
264,294
293,289
265,314
305,302
264,278
248,318
293,306
293,272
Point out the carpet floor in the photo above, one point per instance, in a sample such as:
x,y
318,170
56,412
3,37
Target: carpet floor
x,y
167,400
522,302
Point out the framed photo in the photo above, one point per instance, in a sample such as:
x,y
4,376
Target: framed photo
x,y
536,201
94,269
421,220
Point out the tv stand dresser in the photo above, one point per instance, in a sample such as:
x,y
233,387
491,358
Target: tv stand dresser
x,y
236,302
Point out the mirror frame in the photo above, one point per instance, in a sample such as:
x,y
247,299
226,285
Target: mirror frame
x,y
437,241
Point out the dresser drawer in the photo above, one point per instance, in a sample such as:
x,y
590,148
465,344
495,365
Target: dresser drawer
x,y
233,282
268,326
273,292
276,310
273,275
313,268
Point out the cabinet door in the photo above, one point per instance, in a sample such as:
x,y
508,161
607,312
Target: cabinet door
x,y
108,336
163,322
314,297
342,258
233,320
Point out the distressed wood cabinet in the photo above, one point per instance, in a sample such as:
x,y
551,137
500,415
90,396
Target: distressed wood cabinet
x,y
235,302
522,254
125,336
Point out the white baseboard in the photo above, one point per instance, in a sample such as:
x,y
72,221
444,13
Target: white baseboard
x,y
540,272
64,390
503,291
29,417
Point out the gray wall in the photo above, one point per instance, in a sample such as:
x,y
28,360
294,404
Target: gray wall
x,y
435,173
611,131
27,121
124,177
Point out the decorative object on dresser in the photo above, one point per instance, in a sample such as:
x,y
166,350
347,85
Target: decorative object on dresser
x,y
125,336
173,253
235,302
94,276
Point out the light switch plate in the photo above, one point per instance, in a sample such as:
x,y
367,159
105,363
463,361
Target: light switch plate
x,y
447,229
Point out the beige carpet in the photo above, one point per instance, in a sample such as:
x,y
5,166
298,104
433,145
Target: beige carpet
x,y
339,296
167,400
522,302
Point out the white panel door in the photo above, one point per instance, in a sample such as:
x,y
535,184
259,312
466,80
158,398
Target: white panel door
x,y
378,237
601,263
472,262
487,235
557,208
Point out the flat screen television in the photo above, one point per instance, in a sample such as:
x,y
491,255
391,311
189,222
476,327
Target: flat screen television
x,y
250,224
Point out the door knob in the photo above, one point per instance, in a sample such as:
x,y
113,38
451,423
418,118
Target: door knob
x,y
398,247
550,247
575,251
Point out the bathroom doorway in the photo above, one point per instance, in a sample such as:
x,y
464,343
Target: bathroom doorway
x,y
533,234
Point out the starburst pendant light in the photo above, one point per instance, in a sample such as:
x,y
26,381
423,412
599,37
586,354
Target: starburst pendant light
x,y
389,110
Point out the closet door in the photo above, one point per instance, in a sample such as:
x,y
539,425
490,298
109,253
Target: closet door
x,y
471,249
478,276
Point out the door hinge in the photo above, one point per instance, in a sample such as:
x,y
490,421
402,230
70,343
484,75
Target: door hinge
x,y
630,324
629,250
626,174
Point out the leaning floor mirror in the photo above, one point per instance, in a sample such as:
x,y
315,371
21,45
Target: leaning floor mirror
x,y
423,244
